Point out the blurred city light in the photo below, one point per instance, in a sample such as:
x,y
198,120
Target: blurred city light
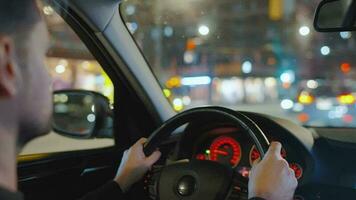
x,y
345,35
91,118
348,118
247,67
304,30
325,50
178,104
288,76
345,67
198,80
338,112
60,69
305,98
275,9
173,82
167,93
48,10
85,65
270,82
298,107
312,84
130,9
204,30
287,104
325,104
132,26
188,57
168,31
303,117
346,99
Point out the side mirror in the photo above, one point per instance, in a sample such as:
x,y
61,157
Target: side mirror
x,y
335,16
81,114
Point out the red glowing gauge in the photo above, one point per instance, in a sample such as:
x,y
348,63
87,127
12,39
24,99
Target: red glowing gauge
x,y
298,170
225,150
255,155
200,156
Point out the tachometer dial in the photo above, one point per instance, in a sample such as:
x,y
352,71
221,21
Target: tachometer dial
x,y
225,150
298,170
255,155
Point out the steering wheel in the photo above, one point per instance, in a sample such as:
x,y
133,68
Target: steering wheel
x,y
199,179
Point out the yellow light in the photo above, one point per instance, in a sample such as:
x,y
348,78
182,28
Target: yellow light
x,y
207,151
346,99
178,107
305,98
275,9
178,104
167,93
108,87
173,82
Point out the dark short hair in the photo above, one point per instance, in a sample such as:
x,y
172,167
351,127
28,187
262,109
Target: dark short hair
x,y
17,20
18,16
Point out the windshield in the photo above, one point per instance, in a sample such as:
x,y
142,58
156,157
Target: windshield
x,y
259,56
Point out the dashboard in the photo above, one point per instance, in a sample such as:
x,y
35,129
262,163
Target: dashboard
x,y
231,147
323,159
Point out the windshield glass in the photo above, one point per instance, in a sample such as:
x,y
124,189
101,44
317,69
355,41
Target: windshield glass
x,y
259,56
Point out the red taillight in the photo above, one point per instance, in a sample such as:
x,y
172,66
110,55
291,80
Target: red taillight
x,y
348,118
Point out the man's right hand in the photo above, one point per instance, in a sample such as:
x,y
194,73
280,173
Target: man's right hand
x,y
272,179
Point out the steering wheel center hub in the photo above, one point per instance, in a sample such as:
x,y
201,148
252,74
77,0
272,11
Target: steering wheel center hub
x,y
194,180
186,185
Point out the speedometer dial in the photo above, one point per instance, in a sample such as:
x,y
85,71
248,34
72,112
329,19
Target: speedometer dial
x,y
225,150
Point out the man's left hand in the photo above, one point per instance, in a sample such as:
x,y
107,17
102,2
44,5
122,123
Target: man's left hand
x,y
134,165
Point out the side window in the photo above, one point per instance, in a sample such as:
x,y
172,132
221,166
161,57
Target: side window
x,y
72,67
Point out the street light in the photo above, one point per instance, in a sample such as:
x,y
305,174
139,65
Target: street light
x,y
304,30
345,35
247,67
325,50
204,30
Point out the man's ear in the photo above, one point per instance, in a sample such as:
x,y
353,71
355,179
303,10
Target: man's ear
x,y
8,81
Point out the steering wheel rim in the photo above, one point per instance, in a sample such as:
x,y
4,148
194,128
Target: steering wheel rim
x,y
165,130
201,179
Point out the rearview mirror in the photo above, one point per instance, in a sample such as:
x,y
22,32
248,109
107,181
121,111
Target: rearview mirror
x,y
335,16
81,114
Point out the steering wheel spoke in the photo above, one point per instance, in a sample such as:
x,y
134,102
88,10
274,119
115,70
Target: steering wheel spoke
x,y
239,188
151,181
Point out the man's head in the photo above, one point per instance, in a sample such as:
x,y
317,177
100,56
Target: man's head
x,y
25,96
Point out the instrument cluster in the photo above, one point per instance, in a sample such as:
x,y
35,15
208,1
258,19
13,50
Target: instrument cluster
x,y
237,151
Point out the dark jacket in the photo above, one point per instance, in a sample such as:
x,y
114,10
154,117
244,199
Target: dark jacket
x,y
109,191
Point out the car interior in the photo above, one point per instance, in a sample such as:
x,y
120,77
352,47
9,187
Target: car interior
x,y
209,120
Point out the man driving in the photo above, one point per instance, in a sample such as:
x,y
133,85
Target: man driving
x,y
25,88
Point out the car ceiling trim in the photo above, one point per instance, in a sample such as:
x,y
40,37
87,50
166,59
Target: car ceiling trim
x,y
101,11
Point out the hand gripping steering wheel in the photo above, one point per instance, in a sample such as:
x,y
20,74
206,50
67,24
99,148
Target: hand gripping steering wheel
x,y
199,179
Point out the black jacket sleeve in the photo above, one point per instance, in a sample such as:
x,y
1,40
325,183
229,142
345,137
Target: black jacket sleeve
x,y
109,191
256,198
